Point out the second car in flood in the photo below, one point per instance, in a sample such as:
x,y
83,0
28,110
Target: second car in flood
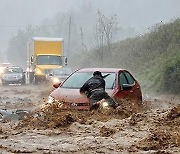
x,y
59,75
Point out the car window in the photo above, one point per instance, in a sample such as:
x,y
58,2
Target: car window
x,y
77,79
62,71
13,70
123,79
110,80
129,78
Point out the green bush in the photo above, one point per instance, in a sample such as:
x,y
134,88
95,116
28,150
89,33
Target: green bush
x,y
171,75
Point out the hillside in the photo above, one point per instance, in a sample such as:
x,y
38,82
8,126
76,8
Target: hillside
x,y
154,58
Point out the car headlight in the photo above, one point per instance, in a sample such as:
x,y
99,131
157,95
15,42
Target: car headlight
x,y
105,104
51,99
38,71
55,80
4,77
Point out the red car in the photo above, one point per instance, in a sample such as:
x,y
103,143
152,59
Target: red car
x,y
120,84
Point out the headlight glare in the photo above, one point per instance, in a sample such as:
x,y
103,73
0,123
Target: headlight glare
x,y
51,99
105,104
38,71
55,80
3,76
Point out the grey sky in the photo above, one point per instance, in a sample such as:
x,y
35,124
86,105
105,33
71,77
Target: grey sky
x,y
140,14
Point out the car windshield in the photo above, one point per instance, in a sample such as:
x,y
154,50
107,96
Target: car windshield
x,y
49,60
13,70
77,79
62,71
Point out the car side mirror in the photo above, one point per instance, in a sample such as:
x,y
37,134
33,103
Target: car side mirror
x,y
32,60
51,74
56,85
126,86
65,61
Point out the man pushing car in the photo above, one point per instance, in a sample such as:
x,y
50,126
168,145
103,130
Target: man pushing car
x,y
94,89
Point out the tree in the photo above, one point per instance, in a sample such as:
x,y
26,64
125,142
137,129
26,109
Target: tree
x,y
17,49
105,31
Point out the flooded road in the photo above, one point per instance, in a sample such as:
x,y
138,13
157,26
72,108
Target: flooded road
x,y
154,129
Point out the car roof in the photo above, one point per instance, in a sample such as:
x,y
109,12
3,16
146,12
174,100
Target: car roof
x,y
13,67
100,69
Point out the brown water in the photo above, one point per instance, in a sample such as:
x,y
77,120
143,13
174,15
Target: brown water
x,y
152,128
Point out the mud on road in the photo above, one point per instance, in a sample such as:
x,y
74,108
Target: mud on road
x,y
153,128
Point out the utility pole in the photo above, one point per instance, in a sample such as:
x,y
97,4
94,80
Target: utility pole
x,y
84,48
69,36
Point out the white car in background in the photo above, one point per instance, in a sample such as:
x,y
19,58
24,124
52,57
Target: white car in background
x,y
13,75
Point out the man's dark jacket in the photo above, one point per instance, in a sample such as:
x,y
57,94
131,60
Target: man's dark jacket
x,y
94,88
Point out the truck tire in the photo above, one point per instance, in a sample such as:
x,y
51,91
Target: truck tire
x,y
31,77
39,79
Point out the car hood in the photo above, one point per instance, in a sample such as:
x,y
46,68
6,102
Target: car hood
x,y
68,95
71,95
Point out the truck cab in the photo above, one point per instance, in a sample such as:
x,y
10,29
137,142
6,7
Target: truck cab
x,y
45,54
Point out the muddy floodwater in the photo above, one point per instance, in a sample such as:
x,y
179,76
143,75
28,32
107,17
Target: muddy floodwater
x,y
155,128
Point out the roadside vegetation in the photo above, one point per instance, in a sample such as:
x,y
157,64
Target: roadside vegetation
x,y
154,58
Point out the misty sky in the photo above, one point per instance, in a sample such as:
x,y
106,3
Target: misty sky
x,y
139,14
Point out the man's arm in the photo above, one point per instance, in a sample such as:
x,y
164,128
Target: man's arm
x,y
105,76
84,88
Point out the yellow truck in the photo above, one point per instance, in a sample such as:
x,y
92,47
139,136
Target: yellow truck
x,y
44,55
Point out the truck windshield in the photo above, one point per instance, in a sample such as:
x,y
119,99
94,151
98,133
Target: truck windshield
x,y
49,60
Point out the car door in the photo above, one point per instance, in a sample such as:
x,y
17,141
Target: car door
x,y
122,94
135,92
